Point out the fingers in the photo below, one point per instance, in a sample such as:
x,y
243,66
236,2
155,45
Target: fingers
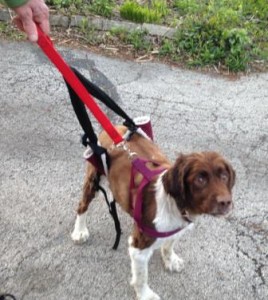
x,y
41,16
24,21
44,25
35,11
29,26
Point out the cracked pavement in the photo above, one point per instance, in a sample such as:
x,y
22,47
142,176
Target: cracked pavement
x,y
42,170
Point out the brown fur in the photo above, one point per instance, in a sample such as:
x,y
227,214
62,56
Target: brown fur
x,y
184,181
182,184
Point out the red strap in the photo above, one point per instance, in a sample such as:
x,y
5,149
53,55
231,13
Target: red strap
x,y
46,45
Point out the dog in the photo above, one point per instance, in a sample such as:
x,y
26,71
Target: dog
x,y
197,183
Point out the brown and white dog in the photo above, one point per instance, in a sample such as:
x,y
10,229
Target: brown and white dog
x,y
198,183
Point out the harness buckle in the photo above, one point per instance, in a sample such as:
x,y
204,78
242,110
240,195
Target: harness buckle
x,y
124,146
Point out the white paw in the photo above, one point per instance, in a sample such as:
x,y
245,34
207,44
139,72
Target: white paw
x,y
148,294
80,236
173,263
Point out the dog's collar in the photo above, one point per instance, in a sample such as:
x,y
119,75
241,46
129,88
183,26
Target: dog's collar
x,y
139,166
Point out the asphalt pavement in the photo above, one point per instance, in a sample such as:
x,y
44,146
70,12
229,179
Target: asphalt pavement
x,y
42,169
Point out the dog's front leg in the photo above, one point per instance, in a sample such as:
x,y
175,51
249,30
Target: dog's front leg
x,y
139,268
171,260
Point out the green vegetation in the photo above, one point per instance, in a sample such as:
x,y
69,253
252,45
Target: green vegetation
x,y
132,11
187,6
12,33
137,38
103,7
66,3
204,44
89,33
100,7
227,34
168,48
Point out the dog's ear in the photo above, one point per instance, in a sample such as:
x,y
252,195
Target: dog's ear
x,y
174,181
232,175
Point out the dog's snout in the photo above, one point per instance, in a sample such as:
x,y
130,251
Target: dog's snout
x,y
223,204
224,201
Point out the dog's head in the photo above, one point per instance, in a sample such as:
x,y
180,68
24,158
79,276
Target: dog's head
x,y
201,183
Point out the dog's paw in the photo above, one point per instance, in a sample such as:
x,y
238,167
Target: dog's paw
x,y
80,236
173,263
148,294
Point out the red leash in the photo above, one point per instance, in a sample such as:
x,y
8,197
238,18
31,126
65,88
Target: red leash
x,y
48,48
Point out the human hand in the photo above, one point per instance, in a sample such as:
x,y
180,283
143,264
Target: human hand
x,y
34,11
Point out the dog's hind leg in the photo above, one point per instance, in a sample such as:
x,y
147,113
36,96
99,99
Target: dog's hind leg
x,y
80,233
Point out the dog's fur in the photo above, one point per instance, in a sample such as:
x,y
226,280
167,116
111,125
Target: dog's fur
x,y
198,183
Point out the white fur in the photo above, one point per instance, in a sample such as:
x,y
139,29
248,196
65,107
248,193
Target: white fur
x,y
139,267
171,260
167,218
80,234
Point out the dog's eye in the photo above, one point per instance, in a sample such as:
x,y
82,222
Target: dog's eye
x,y
224,176
201,179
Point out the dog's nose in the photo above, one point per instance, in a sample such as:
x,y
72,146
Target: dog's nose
x,y
224,201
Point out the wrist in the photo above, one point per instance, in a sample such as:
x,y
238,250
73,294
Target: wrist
x,y
15,3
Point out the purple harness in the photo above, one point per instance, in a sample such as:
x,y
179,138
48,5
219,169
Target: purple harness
x,y
139,166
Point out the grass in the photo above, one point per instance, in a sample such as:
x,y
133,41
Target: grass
x,y
224,34
136,38
84,7
7,31
154,13
231,33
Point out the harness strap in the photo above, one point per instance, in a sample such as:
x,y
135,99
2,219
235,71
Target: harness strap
x,y
113,212
98,93
47,46
139,165
82,116
116,224
89,138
